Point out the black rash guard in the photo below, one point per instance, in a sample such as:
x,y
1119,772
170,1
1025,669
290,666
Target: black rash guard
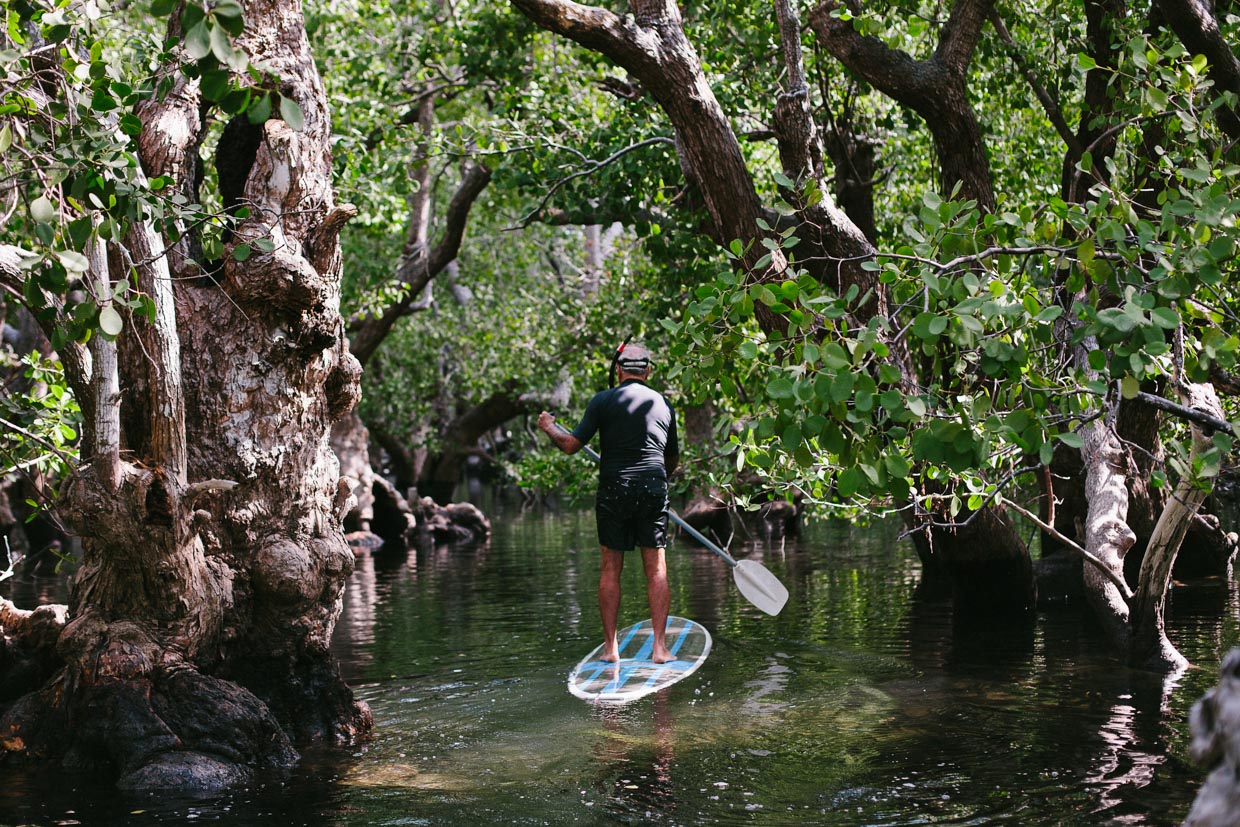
x,y
636,427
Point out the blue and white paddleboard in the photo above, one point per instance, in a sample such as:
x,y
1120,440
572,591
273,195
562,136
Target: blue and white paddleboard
x,y
636,676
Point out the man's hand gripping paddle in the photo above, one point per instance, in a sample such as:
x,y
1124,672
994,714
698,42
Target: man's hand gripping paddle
x,y
756,584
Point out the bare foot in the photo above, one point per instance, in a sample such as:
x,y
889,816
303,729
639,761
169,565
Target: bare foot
x,y
610,656
662,655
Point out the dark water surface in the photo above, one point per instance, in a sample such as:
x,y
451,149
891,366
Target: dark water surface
x,y
859,705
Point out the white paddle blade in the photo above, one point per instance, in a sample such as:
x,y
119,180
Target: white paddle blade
x,y
759,586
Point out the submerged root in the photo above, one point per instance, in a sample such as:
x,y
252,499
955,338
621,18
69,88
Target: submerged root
x,y
161,728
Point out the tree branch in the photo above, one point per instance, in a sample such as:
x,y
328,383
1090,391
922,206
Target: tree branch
x,y
1194,23
934,88
591,167
894,72
1206,421
1071,545
11,274
961,34
106,442
416,272
597,29
1224,381
1049,106
475,180
800,149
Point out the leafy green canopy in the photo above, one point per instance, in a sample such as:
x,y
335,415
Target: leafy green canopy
x,y
510,98
991,308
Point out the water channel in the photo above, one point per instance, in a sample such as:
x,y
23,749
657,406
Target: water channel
x,y
860,704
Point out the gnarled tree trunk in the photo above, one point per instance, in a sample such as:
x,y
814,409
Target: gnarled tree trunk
x,y
209,500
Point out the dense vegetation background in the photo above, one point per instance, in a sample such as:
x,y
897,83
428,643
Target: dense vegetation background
x,y
972,263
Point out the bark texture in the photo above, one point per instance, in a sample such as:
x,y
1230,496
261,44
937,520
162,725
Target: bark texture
x,y
195,649
1150,646
1215,726
936,88
1107,535
1194,22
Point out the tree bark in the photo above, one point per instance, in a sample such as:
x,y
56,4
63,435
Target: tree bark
x,y
1150,647
351,445
1215,724
196,648
651,45
935,88
1107,535
1101,31
1194,22
420,262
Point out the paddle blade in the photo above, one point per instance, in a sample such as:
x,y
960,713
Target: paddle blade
x,y
759,586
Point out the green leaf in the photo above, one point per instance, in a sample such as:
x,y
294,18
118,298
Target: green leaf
x,y
198,41
215,84
41,210
221,47
747,350
1129,387
6,139
229,16
110,321
1165,317
73,261
1086,62
292,114
848,481
260,110
897,466
1072,440
842,387
780,388
241,252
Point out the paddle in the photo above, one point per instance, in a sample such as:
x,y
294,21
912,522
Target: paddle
x,y
756,584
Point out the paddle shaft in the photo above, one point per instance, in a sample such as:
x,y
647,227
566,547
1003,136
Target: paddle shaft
x,y
676,518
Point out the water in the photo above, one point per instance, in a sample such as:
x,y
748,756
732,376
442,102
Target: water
x,y
860,704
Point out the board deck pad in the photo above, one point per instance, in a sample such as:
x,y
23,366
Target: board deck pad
x,y
636,676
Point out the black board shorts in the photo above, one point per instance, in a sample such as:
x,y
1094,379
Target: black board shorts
x,y
632,513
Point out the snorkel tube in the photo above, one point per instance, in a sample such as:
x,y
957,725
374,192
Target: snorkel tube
x,y
615,360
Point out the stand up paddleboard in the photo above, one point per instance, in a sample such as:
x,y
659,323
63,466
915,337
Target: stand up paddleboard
x,y
636,676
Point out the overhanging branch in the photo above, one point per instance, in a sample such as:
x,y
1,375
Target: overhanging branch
x,y
1072,545
1207,422
366,335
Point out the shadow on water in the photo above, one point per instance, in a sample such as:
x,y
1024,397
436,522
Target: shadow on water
x,y
865,702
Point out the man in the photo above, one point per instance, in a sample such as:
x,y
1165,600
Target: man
x,y
639,447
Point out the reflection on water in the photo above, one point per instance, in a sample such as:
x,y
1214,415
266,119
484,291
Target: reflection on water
x,y
864,702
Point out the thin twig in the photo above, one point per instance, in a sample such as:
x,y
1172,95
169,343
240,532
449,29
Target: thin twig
x,y
594,166
1115,579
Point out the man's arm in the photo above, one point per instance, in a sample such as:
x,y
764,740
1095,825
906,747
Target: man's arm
x,y
563,440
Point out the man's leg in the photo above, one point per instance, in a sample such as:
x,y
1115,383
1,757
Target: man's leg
x,y
609,600
660,600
